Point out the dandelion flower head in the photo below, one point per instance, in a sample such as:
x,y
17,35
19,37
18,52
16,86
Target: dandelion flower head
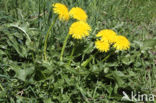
x,y
61,10
78,14
108,35
102,46
121,43
79,29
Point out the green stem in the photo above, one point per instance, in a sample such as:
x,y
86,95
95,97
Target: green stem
x,y
71,55
63,48
85,63
104,59
1,87
46,39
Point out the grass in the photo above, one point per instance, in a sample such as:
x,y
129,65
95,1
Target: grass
x,y
26,77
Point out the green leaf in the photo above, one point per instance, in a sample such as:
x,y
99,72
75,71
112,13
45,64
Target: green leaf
x,y
23,73
48,100
2,52
149,44
128,59
118,77
23,29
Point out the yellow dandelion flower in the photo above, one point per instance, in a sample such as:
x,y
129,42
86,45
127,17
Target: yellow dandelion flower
x,y
61,10
107,34
78,14
102,46
79,29
121,43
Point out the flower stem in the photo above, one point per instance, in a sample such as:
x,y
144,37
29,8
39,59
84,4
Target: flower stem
x,y
64,46
46,38
1,87
104,59
85,63
71,55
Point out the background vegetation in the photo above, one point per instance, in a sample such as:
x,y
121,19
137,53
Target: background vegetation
x,y
26,78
